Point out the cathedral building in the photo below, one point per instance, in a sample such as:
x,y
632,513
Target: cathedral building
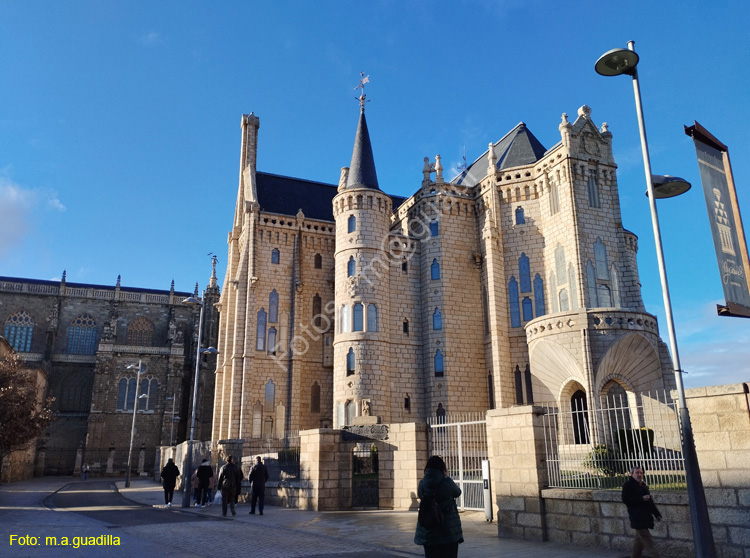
x,y
512,283
88,340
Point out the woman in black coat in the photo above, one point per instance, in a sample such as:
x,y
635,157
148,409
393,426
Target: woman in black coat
x,y
442,542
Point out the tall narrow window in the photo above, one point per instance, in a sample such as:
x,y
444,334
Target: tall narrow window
x,y
520,218
270,397
275,255
351,224
564,303
350,364
272,340
539,296
318,261
491,389
351,267
434,228
435,270
346,324
405,326
524,273
126,394
438,361
593,190
519,386
562,276
19,329
130,399
437,320
257,420
372,317
591,284
580,409
405,267
149,388
440,413
316,311
554,200
615,287
515,315
140,332
600,255
260,330
529,389
526,307
82,336
553,293
358,317
350,411
573,287
485,310
315,398
273,307
605,296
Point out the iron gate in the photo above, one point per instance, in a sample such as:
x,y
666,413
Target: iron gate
x,y
462,443
365,486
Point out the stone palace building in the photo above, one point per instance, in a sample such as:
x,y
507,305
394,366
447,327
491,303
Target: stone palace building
x,y
514,282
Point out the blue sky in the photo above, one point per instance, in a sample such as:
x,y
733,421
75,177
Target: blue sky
x,y
119,123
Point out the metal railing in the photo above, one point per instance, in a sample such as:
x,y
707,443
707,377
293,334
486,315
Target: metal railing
x,y
461,440
596,448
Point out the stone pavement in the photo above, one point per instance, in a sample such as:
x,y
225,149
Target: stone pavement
x,y
279,533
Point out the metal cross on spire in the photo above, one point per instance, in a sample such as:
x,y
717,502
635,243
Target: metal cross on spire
x,y
362,97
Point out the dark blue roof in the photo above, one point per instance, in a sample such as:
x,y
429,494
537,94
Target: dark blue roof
x,y
286,196
517,148
362,169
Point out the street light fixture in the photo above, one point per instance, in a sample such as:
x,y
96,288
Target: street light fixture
x,y
199,351
614,63
140,368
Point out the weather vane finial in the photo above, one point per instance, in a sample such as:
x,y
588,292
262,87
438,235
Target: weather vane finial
x,y
362,97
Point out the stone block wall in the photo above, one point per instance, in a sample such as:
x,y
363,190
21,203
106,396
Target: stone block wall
x,y
720,416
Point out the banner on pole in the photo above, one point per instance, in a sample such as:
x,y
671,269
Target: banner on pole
x,y
726,222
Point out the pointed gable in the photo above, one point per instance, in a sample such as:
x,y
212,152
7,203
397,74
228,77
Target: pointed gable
x,y
362,169
517,148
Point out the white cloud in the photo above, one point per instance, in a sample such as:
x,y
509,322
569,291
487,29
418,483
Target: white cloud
x,y
17,207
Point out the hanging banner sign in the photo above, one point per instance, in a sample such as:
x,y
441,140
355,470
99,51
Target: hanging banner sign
x,y
725,219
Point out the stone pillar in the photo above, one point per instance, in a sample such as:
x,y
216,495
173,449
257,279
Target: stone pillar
x,y
325,471
515,440
410,455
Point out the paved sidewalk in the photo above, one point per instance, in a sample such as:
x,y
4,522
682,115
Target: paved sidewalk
x,y
279,533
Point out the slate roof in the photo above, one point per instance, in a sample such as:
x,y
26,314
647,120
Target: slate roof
x,y
362,168
517,148
286,196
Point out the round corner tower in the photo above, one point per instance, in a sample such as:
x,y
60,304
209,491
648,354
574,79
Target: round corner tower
x,y
361,369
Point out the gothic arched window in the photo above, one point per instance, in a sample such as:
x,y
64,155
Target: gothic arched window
x,y
528,312
524,274
260,331
580,410
350,364
434,228
351,224
515,316
438,361
437,319
273,307
345,319
272,340
372,317
351,267
318,261
316,311
82,336
358,316
275,256
520,219
270,397
140,332
539,296
435,270
19,329
315,398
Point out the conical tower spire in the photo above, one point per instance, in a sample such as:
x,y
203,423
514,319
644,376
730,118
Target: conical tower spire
x,y
362,168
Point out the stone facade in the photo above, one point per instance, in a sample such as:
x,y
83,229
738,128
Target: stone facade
x,y
513,283
84,337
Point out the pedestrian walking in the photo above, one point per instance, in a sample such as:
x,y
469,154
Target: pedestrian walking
x,y
204,474
169,475
195,485
85,471
230,482
258,477
442,541
642,511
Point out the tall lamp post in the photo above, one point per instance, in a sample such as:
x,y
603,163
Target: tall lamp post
x,y
174,418
199,351
614,63
135,411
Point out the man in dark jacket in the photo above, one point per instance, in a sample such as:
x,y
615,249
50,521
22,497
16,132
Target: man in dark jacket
x,y
642,511
169,475
258,477
204,474
230,482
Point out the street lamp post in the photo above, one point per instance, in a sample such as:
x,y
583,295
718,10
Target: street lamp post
x,y
173,418
135,411
199,351
614,63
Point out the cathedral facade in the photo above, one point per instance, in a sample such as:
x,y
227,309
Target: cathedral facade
x,y
513,283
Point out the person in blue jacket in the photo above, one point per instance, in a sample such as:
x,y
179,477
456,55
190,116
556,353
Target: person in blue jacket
x,y
442,542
